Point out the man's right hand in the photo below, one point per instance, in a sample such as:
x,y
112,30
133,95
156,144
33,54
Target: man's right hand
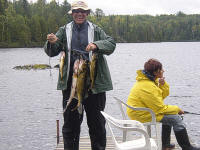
x,y
52,38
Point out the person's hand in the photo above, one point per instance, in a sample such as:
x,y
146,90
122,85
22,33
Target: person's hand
x,y
181,112
162,81
52,38
91,47
62,54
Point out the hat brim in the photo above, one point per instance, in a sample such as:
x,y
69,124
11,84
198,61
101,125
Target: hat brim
x,y
70,12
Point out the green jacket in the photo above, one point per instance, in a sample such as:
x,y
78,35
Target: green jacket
x,y
96,35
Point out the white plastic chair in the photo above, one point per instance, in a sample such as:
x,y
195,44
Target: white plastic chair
x,y
139,143
148,125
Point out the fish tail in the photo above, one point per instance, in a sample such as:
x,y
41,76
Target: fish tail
x,y
92,85
64,110
68,102
77,106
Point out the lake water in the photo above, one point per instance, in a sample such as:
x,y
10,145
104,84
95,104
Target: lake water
x,y
30,103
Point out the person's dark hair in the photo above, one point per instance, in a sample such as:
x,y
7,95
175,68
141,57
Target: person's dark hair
x,y
152,65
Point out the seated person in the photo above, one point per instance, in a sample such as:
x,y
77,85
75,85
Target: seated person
x,y
149,91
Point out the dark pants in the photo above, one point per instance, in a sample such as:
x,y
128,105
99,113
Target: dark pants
x,y
95,121
166,135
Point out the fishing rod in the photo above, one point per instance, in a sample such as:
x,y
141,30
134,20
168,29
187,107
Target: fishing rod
x,y
187,112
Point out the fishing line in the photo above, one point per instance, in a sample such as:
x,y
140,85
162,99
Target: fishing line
x,y
50,73
57,107
187,112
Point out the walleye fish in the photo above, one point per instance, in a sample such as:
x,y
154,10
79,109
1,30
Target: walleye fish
x,y
74,83
80,86
62,61
93,69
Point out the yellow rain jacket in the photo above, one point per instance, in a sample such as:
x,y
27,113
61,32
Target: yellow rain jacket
x,y
148,94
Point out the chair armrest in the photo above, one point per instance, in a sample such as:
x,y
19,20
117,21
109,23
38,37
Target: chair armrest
x,y
130,125
153,116
124,124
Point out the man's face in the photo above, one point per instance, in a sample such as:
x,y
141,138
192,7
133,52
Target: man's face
x,y
79,15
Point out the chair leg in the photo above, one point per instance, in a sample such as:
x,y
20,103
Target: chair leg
x,y
158,136
124,136
149,130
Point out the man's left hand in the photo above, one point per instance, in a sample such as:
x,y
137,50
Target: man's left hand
x,y
91,47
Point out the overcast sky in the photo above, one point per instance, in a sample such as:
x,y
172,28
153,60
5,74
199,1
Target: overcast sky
x,y
152,7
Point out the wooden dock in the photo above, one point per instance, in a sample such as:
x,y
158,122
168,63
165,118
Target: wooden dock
x,y
84,144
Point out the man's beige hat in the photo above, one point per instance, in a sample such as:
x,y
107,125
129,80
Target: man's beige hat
x,y
78,4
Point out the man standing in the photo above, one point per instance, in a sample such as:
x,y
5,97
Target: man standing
x,y
80,34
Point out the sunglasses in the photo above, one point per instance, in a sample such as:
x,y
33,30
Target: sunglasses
x,y
79,11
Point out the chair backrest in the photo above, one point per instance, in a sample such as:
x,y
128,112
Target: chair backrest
x,y
122,104
122,108
124,116
131,125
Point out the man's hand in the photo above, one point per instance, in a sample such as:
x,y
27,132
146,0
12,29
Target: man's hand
x,y
52,38
91,47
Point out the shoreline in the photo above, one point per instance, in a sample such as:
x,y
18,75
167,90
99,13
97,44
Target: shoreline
x,y
41,46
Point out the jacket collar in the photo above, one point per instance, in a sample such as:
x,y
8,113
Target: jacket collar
x,y
148,75
142,75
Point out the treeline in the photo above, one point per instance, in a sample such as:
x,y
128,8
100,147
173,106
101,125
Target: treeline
x,y
24,24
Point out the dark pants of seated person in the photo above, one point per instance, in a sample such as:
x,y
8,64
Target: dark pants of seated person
x,y
180,131
166,137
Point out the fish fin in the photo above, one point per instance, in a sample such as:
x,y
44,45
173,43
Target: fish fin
x,y
80,109
75,108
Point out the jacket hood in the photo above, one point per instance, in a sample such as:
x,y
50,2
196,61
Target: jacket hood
x,y
141,76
